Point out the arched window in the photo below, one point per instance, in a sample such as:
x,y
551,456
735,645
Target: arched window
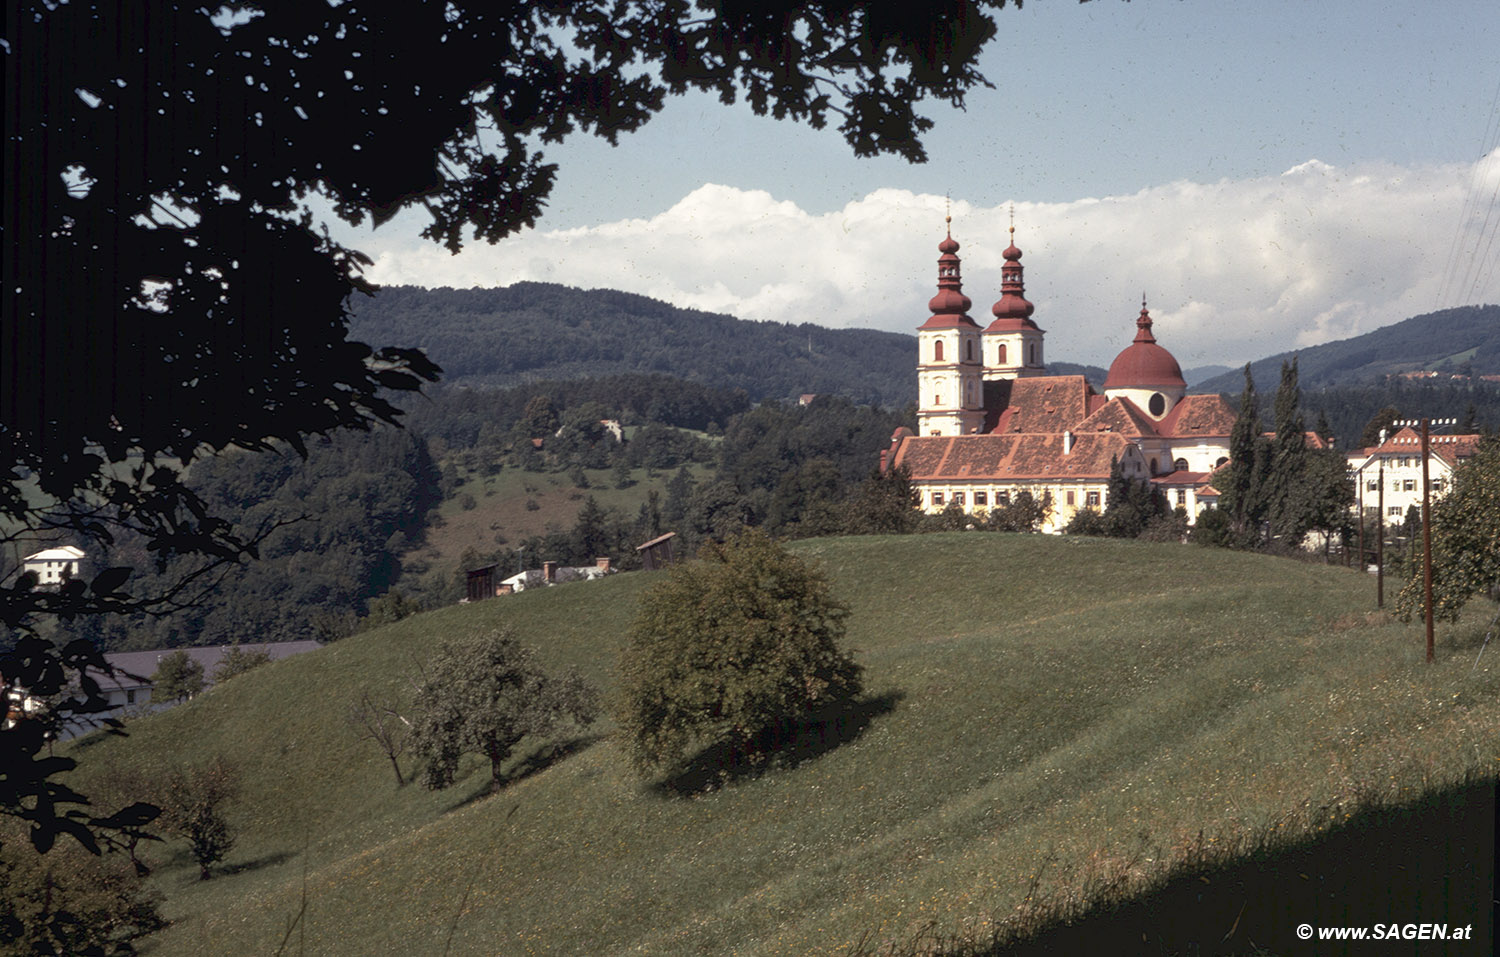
x,y
1000,356
1180,465
1033,353
1222,459
937,351
1153,466
969,350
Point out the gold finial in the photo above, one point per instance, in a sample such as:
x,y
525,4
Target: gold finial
x,y
1013,223
948,213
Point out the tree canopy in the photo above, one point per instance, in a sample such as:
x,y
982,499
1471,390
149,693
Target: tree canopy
x,y
169,292
1465,540
728,650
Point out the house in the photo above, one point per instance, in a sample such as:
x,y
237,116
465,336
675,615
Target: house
x,y
1389,474
130,685
53,566
991,422
551,574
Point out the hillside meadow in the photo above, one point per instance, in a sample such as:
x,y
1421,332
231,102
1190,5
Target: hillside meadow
x,y
1044,716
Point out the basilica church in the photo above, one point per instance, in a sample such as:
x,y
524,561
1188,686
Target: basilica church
x,y
991,422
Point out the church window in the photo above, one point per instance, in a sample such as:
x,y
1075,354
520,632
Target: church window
x,y
969,350
937,351
1220,461
937,400
1092,501
1180,464
1072,497
937,498
981,498
1033,353
1158,404
1154,466
958,499
1000,356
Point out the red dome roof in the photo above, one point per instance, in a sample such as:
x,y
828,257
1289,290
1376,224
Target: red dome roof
x,y
1144,364
950,306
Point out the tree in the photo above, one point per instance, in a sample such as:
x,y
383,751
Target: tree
x,y
381,722
486,696
192,800
177,676
237,661
885,503
158,206
1465,540
1379,422
1240,481
729,650
71,902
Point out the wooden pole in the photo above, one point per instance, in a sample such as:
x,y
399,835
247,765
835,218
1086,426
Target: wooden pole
x,y
1426,546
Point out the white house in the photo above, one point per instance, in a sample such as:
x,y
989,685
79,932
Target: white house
x,y
1396,464
54,565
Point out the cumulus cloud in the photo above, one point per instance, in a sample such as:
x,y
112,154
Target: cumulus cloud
x,y
1232,270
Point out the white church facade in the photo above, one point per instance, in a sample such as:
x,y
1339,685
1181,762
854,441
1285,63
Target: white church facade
x,y
991,421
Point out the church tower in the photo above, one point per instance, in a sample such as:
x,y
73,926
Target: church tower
x,y
1013,343
950,388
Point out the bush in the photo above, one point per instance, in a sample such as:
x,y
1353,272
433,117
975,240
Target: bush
x,y
237,661
728,650
71,902
177,676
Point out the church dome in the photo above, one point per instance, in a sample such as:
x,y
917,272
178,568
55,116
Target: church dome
x,y
1143,364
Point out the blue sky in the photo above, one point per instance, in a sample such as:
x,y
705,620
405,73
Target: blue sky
x,y
1270,174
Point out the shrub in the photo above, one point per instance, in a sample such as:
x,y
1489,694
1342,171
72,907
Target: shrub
x,y
729,649
71,902
177,676
237,661
192,803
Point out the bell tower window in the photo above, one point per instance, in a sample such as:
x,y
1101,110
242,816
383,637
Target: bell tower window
x,y
1001,355
937,351
969,351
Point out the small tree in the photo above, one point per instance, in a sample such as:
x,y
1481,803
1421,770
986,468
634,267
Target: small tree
x,y
177,676
1465,540
237,661
192,803
486,695
729,649
381,722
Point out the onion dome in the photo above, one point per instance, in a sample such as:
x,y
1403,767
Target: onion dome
x,y
1013,311
950,306
1144,364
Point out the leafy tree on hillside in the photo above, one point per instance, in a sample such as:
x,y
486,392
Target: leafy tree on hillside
x,y
885,503
177,676
192,800
1465,540
729,650
486,695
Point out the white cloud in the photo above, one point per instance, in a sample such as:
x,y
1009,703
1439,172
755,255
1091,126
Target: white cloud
x,y
1232,270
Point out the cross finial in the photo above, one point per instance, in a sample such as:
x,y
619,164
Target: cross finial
x,y
1012,223
948,213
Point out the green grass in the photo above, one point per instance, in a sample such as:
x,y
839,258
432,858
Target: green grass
x,y
1062,708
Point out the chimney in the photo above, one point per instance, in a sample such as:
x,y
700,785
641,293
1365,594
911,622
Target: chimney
x,y
549,572
602,563
1067,442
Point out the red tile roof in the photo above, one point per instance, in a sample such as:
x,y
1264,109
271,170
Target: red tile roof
x,y
1037,404
1029,457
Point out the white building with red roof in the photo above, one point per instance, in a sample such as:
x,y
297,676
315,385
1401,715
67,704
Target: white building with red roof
x,y
1389,475
991,422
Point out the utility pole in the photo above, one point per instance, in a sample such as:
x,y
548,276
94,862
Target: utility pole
x,y
1426,423
1380,534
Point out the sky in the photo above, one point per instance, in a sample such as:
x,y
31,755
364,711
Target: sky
x,y
1268,175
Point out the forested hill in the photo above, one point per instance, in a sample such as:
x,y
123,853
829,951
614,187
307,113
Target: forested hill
x,y
1466,339
532,331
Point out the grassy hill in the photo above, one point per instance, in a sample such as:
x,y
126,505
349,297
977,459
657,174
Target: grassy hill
x,y
1046,717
